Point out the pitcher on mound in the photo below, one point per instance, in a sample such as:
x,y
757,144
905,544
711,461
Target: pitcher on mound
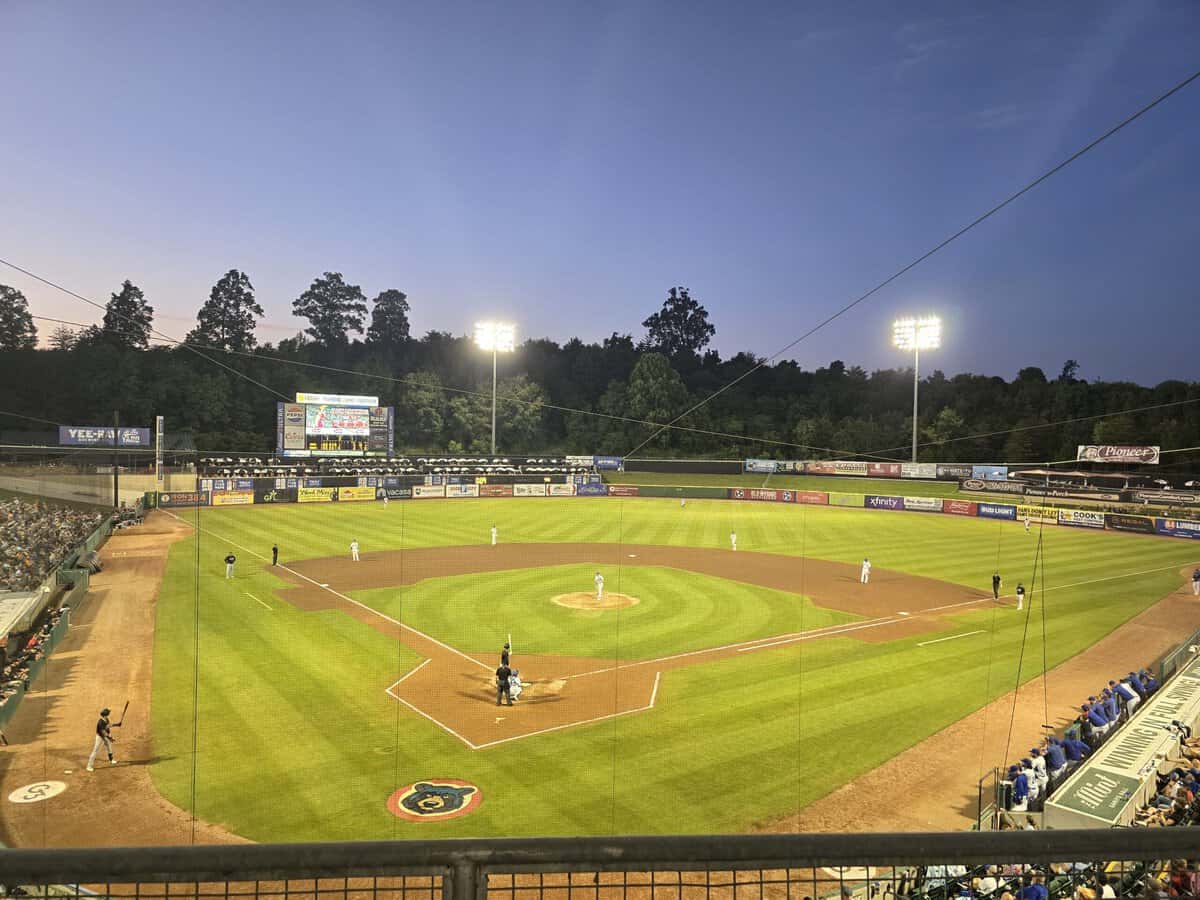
x,y
599,579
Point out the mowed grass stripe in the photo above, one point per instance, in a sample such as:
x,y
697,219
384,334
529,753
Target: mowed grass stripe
x,y
747,731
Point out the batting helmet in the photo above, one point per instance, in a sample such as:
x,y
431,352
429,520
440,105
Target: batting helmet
x,y
105,711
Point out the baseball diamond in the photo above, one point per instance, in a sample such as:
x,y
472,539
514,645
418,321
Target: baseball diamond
x,y
325,682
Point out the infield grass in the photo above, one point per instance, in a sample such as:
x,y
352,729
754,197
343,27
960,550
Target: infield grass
x,y
296,739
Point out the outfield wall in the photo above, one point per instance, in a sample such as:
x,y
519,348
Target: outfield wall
x,y
367,488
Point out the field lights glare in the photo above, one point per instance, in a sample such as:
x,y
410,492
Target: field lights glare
x,y
498,337
917,334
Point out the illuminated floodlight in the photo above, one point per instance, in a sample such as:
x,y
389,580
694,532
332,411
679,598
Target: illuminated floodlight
x,y
498,337
924,333
915,335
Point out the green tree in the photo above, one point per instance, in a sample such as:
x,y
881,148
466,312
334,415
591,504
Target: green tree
x,y
333,309
656,393
127,319
62,338
420,413
389,319
17,331
945,427
227,318
681,327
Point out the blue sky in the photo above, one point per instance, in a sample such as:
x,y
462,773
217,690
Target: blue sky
x,y
563,164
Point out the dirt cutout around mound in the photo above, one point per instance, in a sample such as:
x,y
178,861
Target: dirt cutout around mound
x,y
104,660
453,690
584,600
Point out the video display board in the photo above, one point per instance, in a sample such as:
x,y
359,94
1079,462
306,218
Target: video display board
x,y
337,426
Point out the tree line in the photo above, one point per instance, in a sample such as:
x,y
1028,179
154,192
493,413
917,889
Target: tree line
x,y
220,385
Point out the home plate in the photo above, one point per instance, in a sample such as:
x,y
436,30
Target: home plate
x,y
633,556
904,614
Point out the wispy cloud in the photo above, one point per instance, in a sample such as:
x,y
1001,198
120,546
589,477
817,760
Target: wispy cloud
x,y
817,37
1000,117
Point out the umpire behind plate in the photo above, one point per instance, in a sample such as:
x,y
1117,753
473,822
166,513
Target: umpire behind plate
x,y
503,686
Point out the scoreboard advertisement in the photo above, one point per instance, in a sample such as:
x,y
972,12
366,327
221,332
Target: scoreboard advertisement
x,y
335,425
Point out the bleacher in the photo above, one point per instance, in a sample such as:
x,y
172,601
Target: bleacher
x,y
411,466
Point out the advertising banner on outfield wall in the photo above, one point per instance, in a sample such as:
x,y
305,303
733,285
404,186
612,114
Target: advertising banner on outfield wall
x,y
767,494
86,436
316,494
1048,514
356,493
233,498
923,504
1081,518
790,467
990,473
850,467
495,490
269,493
813,498
1176,498
761,466
1121,522
428,491
462,490
873,501
1184,528
1117,453
584,462
393,493
996,511
622,490
983,485
839,499
180,499
818,467
960,507
607,463
561,490
884,470
918,470
529,490
953,471
592,489
1034,490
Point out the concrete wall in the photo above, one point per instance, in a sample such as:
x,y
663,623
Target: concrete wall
x,y
93,488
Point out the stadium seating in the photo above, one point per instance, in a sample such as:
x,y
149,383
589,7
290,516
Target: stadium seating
x,y
481,466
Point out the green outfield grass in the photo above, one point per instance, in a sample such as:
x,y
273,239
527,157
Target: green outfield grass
x,y
297,739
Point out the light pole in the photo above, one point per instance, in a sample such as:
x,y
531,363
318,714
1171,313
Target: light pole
x,y
916,335
499,338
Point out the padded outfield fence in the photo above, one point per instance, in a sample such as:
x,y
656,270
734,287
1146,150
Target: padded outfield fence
x,y
716,867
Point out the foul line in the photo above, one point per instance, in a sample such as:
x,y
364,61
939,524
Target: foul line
x,y
422,713
342,596
256,600
952,637
625,712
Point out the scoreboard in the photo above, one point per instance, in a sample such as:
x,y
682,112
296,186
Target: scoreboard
x,y
335,425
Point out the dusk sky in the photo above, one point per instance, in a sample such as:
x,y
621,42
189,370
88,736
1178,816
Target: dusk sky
x,y
563,164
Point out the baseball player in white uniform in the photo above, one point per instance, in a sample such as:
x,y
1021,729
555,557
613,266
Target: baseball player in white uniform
x,y
599,579
1027,524
733,540
514,684
494,534
864,577
354,549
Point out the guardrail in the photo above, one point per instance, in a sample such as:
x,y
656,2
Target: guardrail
x,y
709,866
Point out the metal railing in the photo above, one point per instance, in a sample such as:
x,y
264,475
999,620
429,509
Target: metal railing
x,y
716,867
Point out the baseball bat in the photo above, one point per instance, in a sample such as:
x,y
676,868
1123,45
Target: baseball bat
x,y
510,641
123,711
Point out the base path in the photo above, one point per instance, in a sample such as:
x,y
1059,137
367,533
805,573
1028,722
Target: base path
x,y
455,691
104,660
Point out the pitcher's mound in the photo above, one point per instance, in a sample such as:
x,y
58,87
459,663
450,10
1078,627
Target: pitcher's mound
x,y
584,600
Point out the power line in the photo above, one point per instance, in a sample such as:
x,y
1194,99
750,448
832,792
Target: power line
x,y
920,259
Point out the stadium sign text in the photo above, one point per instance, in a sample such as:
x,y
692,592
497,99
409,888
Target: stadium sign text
x,y
1117,453
83,436
337,399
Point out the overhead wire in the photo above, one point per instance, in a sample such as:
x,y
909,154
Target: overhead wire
x,y
926,255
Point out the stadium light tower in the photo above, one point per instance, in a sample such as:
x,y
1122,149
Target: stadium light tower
x,y
498,337
916,335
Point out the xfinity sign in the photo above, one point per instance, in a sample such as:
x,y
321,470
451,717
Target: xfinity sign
x,y
87,436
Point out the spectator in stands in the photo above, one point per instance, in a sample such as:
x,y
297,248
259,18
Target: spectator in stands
x,y
1036,889
37,537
